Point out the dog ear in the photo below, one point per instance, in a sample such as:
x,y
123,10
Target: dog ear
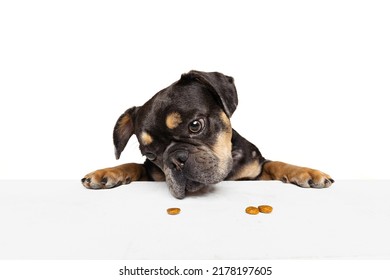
x,y
123,130
221,84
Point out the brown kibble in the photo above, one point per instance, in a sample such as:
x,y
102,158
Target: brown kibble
x,y
251,210
173,211
266,209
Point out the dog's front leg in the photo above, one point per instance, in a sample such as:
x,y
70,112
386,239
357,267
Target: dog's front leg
x,y
115,176
297,175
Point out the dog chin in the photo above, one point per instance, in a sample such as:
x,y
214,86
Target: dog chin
x,y
179,184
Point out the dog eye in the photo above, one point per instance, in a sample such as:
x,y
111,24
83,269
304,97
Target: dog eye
x,y
196,126
150,156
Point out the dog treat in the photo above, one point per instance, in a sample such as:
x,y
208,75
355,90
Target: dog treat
x,y
266,209
173,211
251,210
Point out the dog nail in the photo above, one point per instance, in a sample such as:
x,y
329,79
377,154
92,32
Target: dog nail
x,y
83,180
104,181
326,181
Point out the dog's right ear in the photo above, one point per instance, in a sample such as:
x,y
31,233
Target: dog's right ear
x,y
123,130
222,85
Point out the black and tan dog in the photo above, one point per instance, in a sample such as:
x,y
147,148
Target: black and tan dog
x,y
185,133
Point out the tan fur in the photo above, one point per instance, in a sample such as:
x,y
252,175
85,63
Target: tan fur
x,y
173,120
288,173
124,121
223,144
158,176
124,173
225,119
124,125
248,171
146,138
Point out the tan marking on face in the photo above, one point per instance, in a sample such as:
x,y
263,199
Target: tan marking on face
x,y
173,120
223,145
249,171
225,119
146,138
223,148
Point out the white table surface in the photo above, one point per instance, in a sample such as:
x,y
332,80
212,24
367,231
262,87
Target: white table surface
x,y
63,220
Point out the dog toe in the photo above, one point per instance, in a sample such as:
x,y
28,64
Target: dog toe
x,y
86,181
104,179
311,178
319,179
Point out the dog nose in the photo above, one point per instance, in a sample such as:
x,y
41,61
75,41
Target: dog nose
x,y
178,159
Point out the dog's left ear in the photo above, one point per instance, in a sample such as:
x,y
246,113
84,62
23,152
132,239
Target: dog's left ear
x,y
221,84
123,130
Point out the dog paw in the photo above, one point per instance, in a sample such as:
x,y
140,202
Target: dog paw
x,y
105,179
309,178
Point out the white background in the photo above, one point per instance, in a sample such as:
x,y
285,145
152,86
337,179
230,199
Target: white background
x,y
312,78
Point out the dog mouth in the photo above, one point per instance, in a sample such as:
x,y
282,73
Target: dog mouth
x,y
189,168
178,184
183,180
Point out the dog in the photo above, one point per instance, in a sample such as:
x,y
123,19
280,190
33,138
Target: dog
x,y
184,131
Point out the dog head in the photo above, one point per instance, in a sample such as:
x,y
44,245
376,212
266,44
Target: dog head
x,y
185,130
